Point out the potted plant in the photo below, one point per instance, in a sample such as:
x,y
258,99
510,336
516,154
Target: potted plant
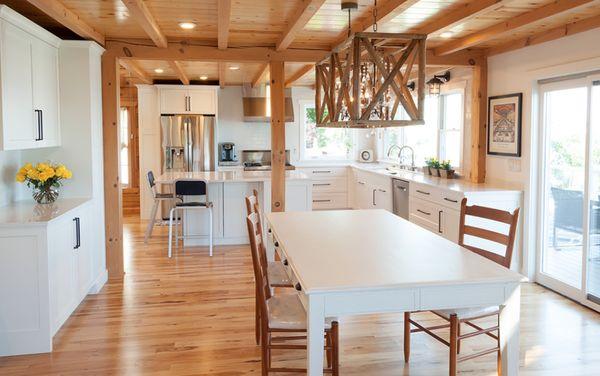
x,y
429,167
45,179
446,170
435,167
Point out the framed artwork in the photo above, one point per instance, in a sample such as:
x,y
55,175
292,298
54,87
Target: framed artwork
x,y
504,125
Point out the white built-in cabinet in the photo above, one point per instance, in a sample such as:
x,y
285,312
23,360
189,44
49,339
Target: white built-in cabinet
x,y
30,84
438,210
187,100
329,187
46,270
372,191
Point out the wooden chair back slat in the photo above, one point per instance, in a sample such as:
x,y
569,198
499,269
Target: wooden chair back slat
x,y
486,234
494,215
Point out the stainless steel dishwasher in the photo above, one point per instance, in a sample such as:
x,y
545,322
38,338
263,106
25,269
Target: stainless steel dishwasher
x,y
400,188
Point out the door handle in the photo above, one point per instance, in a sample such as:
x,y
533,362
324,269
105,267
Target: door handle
x,y
361,182
450,200
423,192
39,136
374,204
423,212
401,188
77,233
321,184
189,103
440,222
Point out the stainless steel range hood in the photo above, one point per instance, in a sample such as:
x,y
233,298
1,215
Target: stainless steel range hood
x,y
257,106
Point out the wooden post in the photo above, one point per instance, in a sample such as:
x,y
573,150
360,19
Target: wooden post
x,y
478,120
421,79
277,136
113,211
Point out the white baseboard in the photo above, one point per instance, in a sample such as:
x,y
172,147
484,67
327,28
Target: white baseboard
x,y
99,282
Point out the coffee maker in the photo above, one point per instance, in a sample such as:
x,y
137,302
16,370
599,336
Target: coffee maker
x,y
227,156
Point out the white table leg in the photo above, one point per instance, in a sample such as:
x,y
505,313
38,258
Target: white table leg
x,y
509,331
316,333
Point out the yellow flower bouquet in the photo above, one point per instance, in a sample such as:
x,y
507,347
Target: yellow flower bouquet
x,y
45,178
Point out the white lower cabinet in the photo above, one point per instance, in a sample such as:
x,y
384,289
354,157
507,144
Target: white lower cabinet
x,y
435,217
234,201
372,191
46,270
329,187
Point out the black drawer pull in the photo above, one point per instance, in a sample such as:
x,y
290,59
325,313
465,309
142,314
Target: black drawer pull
x,y
321,184
423,212
321,172
276,244
321,200
285,262
447,199
423,192
77,232
298,286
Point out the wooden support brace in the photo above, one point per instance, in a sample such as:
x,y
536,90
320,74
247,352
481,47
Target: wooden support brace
x,y
277,73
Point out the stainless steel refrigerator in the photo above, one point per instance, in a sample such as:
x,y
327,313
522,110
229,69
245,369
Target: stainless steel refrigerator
x,y
187,145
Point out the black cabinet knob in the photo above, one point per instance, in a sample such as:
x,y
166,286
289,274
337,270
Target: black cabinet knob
x,y
298,286
276,244
270,230
285,262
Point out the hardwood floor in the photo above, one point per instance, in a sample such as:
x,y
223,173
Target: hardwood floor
x,y
194,315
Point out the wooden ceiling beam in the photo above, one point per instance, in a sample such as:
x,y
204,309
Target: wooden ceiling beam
x,y
140,12
545,36
459,15
306,10
549,10
222,71
223,22
178,68
186,52
133,68
299,74
385,12
260,76
56,10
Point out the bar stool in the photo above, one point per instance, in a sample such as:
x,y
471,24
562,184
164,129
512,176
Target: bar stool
x,y
158,198
191,188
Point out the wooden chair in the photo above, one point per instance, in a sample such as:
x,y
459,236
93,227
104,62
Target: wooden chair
x,y
456,317
284,315
275,270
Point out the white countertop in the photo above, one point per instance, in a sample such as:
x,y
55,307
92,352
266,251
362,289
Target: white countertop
x,y
357,249
28,212
228,176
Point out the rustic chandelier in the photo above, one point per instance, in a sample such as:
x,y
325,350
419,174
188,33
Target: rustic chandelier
x,y
364,80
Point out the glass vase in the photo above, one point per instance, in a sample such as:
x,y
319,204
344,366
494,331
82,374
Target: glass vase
x,y
45,195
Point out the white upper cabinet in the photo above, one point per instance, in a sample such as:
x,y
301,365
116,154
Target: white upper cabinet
x,y
188,100
29,92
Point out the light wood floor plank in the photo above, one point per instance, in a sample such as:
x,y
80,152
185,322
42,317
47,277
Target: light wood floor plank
x,y
194,315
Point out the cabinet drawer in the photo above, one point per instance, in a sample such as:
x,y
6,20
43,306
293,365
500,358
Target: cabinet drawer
x,y
451,199
325,201
424,192
325,172
425,211
330,185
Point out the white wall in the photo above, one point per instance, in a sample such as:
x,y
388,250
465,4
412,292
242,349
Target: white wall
x,y
10,162
519,71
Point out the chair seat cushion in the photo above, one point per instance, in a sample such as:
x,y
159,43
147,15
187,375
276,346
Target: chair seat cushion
x,y
287,312
467,313
194,204
277,275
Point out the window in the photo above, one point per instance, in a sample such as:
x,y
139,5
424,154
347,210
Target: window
x,y
124,136
440,137
323,143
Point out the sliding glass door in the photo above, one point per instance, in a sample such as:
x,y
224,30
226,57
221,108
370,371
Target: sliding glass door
x,y
569,237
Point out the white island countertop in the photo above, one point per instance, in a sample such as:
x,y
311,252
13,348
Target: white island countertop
x,y
28,212
228,176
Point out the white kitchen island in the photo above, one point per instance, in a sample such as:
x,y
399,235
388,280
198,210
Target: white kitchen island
x,y
227,190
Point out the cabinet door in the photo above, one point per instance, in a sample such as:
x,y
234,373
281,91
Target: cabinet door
x,y
45,91
202,102
449,224
61,262
362,195
19,125
173,101
234,209
83,253
382,198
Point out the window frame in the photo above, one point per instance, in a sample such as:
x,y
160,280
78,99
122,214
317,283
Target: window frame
x,y
439,129
302,104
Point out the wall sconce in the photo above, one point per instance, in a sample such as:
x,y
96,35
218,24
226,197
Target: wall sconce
x,y
411,86
437,81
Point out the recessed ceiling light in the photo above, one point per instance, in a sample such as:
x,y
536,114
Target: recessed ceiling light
x,y
158,70
234,67
446,34
187,25
203,78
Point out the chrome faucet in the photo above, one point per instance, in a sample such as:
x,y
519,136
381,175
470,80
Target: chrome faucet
x,y
412,158
394,146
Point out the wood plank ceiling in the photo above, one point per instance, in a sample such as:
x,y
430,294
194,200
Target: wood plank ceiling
x,y
491,26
